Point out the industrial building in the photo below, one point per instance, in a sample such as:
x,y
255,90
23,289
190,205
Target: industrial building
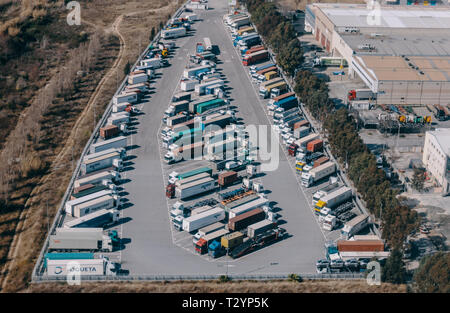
x,y
402,53
436,157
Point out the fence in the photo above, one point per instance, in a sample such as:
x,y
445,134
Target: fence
x,y
355,276
37,271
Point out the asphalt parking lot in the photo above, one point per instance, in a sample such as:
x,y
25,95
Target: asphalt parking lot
x,y
151,246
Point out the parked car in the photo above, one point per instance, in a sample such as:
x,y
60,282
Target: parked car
x,y
322,263
337,264
352,264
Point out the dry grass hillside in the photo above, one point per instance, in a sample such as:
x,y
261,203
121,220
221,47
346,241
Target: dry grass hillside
x,y
46,135
316,286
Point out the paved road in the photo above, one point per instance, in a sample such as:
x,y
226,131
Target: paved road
x,y
150,249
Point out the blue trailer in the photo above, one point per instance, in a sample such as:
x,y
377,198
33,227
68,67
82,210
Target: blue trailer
x,y
238,38
263,67
287,103
67,256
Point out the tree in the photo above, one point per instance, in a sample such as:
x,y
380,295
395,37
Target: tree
x,y
418,179
394,270
433,274
127,68
152,34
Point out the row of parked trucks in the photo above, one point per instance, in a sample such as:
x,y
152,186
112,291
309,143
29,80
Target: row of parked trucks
x,y
94,202
352,254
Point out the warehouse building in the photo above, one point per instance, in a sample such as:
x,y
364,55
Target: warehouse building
x,y
436,157
402,53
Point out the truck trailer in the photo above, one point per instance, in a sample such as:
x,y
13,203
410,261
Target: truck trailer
x,y
333,199
101,218
103,161
82,267
173,33
97,178
318,173
195,188
354,226
117,142
198,221
92,239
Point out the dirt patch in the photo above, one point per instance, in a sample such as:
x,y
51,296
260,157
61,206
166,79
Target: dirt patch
x,y
333,286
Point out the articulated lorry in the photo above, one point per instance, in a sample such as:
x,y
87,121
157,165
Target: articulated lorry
x,y
91,239
242,221
82,267
117,142
173,33
255,57
201,88
198,221
354,226
332,199
195,188
201,246
101,218
103,161
300,144
263,87
98,178
257,203
207,230
318,173
105,199
324,191
259,241
361,94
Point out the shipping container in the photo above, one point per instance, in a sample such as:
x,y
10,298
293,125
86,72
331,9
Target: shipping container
x,y
232,240
315,145
260,202
260,227
109,131
242,221
227,178
117,142
360,245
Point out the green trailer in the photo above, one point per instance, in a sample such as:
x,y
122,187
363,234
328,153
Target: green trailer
x,y
201,108
195,172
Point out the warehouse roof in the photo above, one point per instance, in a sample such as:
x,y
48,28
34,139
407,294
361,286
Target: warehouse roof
x,y
351,15
442,136
408,68
403,42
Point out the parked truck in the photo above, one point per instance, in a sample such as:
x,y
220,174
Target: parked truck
x,y
182,96
82,267
240,22
207,230
77,206
195,188
97,178
117,142
354,226
333,199
232,240
318,173
200,88
361,94
256,57
209,105
137,78
242,221
173,33
257,203
301,143
92,239
195,71
259,227
198,221
130,97
324,191
360,245
103,161
151,63
263,87
201,246
176,119
101,218
109,131
258,241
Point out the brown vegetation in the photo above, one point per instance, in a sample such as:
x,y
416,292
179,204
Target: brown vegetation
x,y
316,286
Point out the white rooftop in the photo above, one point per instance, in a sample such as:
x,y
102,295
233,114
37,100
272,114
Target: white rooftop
x,y
442,136
360,16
